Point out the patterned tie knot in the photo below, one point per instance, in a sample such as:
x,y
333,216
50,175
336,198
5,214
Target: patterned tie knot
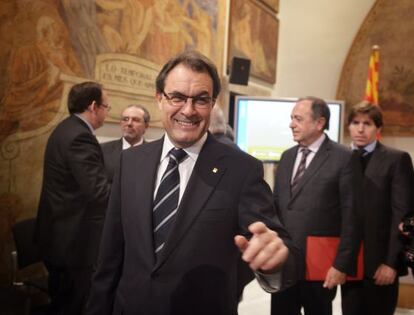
x,y
305,151
362,151
178,155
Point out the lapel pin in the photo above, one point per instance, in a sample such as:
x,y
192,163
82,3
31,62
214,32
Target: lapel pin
x,y
215,170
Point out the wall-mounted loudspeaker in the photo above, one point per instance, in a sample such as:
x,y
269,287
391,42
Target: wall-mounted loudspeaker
x,y
240,70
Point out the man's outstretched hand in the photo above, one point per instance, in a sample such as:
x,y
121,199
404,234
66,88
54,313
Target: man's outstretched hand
x,y
265,251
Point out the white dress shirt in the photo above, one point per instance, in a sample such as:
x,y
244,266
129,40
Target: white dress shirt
x,y
127,145
185,168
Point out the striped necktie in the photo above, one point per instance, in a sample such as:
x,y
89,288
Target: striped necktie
x,y
166,199
301,168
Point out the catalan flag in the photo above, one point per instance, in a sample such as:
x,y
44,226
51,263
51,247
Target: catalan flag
x,y
371,90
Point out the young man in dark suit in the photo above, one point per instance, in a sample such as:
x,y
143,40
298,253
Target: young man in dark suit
x,y
73,200
385,197
134,122
314,197
178,253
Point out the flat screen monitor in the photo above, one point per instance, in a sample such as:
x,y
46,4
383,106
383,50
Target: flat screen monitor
x,y
262,125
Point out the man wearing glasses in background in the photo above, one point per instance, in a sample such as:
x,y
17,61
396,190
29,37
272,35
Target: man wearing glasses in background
x,y
173,235
134,122
73,200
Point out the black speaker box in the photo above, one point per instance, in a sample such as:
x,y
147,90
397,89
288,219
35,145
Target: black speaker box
x,y
240,70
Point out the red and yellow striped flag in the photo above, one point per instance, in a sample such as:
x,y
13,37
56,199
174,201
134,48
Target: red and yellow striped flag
x,y
371,90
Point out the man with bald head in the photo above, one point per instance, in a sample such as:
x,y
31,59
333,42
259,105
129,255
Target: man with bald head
x,y
313,195
134,122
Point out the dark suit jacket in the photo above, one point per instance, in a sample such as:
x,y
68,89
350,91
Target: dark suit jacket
x,y
111,152
74,196
322,203
386,197
221,137
245,274
196,272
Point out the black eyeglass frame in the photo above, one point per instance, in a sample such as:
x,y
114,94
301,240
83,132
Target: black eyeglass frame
x,y
203,101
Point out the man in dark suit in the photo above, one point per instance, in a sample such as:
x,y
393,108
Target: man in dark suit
x,y
221,206
134,122
73,200
386,187
313,196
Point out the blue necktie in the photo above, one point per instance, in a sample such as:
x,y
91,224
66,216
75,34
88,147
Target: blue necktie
x,y
166,200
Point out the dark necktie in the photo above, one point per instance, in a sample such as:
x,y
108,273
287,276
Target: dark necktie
x,y
364,157
301,168
166,200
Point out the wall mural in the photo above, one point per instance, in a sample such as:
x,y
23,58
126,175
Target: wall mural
x,y
254,35
49,45
388,25
272,4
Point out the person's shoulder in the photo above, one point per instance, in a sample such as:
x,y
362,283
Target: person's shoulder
x,y
111,144
144,148
234,153
289,152
225,139
70,128
392,152
338,147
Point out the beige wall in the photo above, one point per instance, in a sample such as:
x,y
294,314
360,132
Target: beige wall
x,y
314,40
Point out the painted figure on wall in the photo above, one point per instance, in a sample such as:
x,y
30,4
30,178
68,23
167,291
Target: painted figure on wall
x,y
254,34
86,37
65,37
33,71
49,44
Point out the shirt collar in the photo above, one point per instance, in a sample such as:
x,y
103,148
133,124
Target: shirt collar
x,y
192,151
314,147
126,144
369,148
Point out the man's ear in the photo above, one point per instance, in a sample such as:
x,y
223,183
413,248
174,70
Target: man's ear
x,y
92,106
321,122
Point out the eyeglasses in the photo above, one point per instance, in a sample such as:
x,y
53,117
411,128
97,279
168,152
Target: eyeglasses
x,y
178,100
106,106
126,119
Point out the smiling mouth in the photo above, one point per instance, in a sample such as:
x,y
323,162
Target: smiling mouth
x,y
186,123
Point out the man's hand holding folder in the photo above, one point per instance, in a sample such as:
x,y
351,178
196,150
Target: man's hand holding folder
x,y
320,256
333,278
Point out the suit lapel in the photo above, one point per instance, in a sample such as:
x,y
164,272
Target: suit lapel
x,y
318,160
118,147
206,174
142,194
375,161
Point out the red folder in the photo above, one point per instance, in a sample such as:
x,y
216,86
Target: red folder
x,y
320,255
